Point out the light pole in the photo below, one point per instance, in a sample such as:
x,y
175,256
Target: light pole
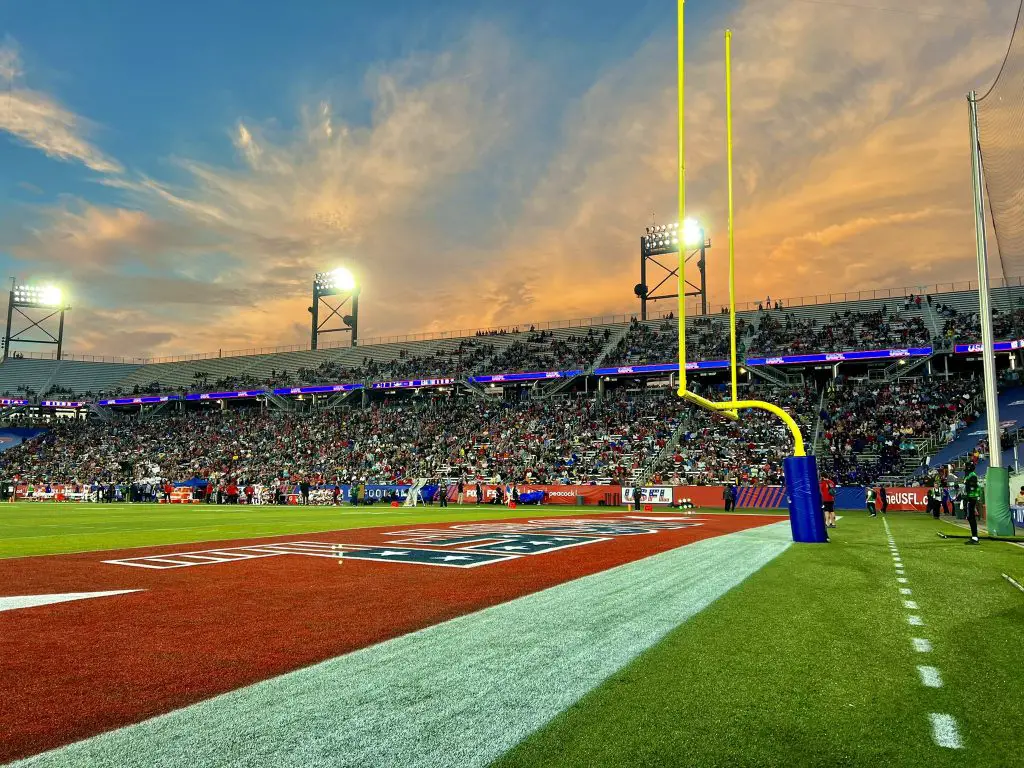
x,y
342,286
666,239
41,306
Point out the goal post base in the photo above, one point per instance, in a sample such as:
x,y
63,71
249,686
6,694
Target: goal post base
x,y
803,495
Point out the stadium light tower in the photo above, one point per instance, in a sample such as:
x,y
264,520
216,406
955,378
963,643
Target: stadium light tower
x,y
665,239
341,286
42,307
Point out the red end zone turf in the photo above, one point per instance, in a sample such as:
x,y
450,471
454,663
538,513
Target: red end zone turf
x,y
215,617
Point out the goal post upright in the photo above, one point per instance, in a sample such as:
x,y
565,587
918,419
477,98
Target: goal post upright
x,y
801,471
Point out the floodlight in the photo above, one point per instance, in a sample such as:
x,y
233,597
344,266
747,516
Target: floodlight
x,y
693,234
38,296
340,286
50,295
343,279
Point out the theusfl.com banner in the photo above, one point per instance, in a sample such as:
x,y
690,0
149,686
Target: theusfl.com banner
x,y
659,494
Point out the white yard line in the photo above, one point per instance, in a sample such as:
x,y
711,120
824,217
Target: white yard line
x,y
930,676
945,732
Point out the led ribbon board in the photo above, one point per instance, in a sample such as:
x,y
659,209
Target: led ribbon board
x,y
412,384
226,395
625,370
999,346
320,389
529,376
840,357
144,400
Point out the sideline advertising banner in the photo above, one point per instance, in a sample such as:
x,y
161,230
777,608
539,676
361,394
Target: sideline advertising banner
x,y
659,494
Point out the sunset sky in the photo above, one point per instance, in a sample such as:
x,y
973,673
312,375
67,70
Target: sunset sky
x,y
184,168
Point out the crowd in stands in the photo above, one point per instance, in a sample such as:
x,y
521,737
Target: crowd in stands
x,y
874,430
575,441
538,351
706,339
715,450
868,430
966,326
780,333
581,440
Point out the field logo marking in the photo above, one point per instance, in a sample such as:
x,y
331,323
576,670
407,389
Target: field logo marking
x,y
467,545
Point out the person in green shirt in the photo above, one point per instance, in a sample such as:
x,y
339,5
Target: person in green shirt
x,y
935,499
871,501
972,495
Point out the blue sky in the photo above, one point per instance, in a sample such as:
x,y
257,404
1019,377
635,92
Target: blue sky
x,y
184,168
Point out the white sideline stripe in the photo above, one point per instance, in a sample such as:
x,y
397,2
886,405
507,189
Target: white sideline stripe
x,y
930,677
460,693
921,645
901,580
945,732
1013,581
910,604
915,621
905,590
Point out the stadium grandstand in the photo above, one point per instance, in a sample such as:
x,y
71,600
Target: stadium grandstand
x,y
878,385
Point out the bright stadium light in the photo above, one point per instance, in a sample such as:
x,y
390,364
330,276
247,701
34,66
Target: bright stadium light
x,y
38,311
340,280
693,233
343,279
51,295
670,239
340,287
38,295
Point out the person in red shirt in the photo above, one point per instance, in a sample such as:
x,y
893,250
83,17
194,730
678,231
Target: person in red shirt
x,y
828,501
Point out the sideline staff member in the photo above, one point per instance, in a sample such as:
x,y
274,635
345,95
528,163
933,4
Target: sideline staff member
x,y
972,493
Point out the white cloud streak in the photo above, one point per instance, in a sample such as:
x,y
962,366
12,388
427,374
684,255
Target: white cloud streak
x,y
39,121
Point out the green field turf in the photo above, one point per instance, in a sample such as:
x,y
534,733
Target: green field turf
x,y
810,662
32,528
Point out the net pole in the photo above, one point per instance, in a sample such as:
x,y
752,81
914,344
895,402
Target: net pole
x,y
680,87
988,357
997,479
732,239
